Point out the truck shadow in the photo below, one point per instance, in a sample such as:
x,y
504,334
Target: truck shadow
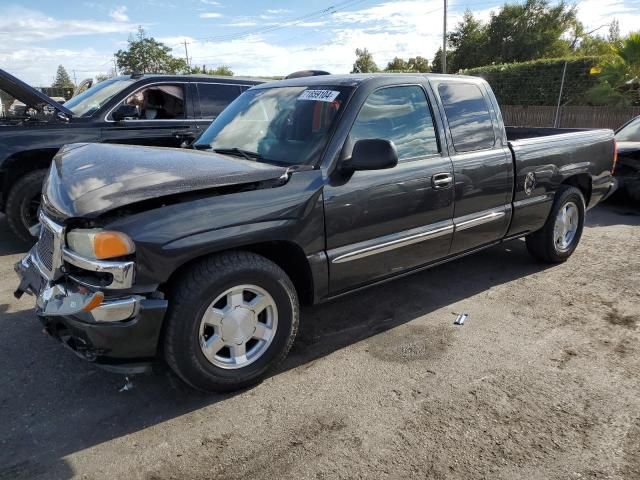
x,y
618,210
53,404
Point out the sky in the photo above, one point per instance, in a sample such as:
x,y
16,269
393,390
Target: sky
x,y
256,38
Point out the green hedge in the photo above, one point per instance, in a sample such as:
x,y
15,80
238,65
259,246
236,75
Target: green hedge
x,y
538,82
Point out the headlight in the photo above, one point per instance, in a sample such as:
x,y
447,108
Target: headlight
x,y
99,244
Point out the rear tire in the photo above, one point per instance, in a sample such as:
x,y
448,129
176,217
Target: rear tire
x,y
559,237
22,204
232,318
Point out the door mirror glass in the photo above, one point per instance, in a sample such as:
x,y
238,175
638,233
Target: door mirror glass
x,y
372,154
126,112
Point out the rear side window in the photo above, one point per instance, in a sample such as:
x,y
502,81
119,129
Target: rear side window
x,y
468,116
215,97
399,114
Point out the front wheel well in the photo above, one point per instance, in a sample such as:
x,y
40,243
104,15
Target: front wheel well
x,y
287,255
20,164
582,182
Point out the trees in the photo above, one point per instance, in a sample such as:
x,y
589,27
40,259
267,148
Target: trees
x,y
63,80
147,55
517,33
364,62
619,78
222,70
413,65
468,43
521,32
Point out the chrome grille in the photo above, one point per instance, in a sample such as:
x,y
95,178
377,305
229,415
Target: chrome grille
x,y
47,252
45,247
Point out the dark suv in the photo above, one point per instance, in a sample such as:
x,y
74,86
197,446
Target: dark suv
x,y
153,110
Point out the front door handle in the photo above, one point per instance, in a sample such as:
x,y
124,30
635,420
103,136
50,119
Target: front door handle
x,y
441,180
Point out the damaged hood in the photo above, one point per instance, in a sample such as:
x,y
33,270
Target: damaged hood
x,y
28,95
86,180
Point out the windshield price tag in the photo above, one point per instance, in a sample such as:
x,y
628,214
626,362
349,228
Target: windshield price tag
x,y
319,95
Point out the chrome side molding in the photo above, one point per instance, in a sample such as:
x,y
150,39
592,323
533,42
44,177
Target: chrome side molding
x,y
390,243
421,234
470,221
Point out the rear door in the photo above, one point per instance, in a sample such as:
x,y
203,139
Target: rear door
x,y
482,163
383,222
165,120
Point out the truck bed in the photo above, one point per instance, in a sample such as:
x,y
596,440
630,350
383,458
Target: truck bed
x,y
519,133
544,157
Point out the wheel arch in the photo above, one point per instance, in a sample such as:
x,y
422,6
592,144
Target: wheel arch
x,y
21,163
286,254
581,181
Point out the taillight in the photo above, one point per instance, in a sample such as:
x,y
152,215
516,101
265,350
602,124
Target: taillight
x,y
615,156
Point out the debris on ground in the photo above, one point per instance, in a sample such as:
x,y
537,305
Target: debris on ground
x,y
128,385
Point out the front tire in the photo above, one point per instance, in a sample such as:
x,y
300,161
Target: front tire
x,y
232,318
559,237
22,204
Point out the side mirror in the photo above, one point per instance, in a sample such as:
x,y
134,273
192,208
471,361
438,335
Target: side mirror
x,y
125,111
372,154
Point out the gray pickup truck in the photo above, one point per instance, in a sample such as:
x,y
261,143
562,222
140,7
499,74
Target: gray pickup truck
x,y
302,190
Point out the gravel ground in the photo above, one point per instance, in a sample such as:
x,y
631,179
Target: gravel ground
x,y
542,381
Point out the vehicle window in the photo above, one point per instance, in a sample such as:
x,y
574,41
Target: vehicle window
x,y
399,114
214,98
158,102
283,125
630,133
85,104
468,116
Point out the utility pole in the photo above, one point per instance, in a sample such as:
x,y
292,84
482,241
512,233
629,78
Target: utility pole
x,y
115,66
75,81
444,39
186,53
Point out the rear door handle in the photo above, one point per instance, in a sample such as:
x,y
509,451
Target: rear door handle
x,y
441,180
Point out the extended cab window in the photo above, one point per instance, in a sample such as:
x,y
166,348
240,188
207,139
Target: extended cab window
x,y
215,97
158,102
468,116
399,114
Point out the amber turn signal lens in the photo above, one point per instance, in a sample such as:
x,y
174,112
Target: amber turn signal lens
x,y
112,244
95,301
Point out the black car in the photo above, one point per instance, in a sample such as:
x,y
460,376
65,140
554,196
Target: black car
x,y
628,166
300,191
153,110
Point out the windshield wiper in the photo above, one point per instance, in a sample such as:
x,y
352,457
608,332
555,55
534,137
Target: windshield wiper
x,y
238,152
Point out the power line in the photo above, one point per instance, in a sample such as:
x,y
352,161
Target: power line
x,y
315,15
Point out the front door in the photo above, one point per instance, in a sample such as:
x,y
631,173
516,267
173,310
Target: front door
x,y
162,119
383,222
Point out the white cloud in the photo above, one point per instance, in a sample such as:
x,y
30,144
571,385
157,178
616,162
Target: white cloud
x,y
594,13
24,34
210,15
119,14
277,11
210,2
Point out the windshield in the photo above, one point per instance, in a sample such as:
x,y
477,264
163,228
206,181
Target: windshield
x,y
85,104
283,125
630,133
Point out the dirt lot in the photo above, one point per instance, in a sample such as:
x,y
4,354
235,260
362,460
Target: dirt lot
x,y
543,381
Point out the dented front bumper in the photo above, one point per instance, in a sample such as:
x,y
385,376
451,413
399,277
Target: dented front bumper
x,y
116,332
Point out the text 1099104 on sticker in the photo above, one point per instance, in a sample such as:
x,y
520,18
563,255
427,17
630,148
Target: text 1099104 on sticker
x,y
319,95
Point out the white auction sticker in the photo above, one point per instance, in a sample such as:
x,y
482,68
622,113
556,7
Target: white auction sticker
x,y
319,95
